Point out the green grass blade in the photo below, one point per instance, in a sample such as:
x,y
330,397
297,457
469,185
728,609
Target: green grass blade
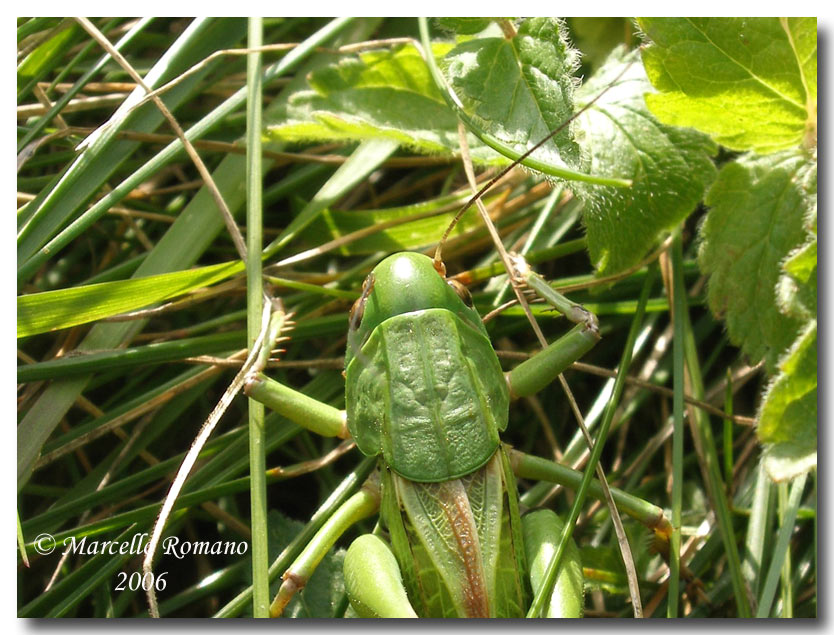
x,y
45,57
131,357
780,550
225,457
124,406
41,420
716,488
33,25
364,160
21,542
787,565
679,303
53,310
339,495
82,81
727,451
179,248
72,589
757,531
147,513
38,239
112,359
83,222
211,584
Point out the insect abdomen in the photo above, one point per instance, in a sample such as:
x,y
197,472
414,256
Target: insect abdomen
x,y
459,552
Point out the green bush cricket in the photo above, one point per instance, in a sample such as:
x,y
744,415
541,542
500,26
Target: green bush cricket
x,y
425,392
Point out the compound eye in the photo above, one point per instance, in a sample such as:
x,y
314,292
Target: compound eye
x,y
462,291
357,311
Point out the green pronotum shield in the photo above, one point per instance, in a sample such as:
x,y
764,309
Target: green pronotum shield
x,y
427,391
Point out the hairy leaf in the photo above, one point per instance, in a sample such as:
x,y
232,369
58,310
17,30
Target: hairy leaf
x,y
378,94
751,83
670,167
518,90
760,213
788,417
797,290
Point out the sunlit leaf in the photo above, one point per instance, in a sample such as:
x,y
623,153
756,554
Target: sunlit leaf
x,y
387,93
751,83
518,90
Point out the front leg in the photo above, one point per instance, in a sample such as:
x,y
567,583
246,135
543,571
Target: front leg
x,y
533,375
309,413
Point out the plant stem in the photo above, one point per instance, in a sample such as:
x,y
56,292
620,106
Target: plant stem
x,y
254,293
679,305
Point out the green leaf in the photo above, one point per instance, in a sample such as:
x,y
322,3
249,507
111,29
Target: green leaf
x,y
760,213
463,26
52,310
788,416
751,83
378,94
519,90
670,167
797,290
597,37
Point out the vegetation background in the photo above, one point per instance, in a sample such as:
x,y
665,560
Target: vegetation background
x,y
713,121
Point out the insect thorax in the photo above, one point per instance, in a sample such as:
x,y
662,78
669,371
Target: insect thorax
x,y
427,392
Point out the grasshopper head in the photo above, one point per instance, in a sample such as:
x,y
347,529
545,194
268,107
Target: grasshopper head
x,y
407,282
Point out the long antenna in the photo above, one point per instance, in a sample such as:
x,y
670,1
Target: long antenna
x,y
438,257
